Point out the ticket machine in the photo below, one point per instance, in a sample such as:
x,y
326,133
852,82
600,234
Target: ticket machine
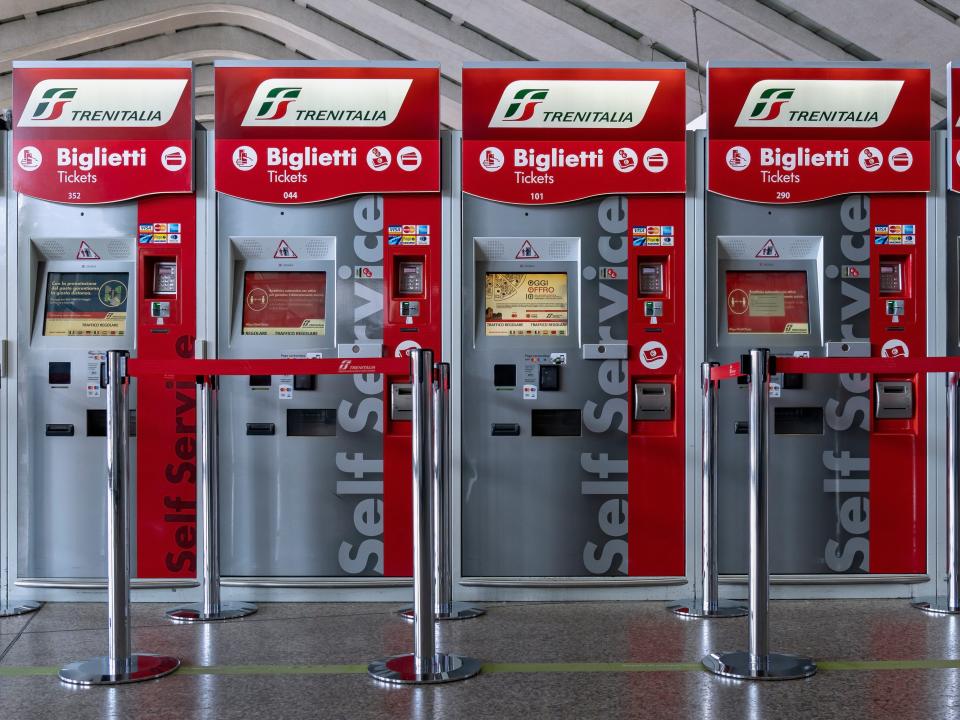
x,y
572,324
328,246
103,217
815,228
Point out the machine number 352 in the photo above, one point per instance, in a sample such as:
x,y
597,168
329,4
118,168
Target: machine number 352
x,y
73,196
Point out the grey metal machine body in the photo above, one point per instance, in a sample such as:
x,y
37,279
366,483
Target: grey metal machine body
x,y
120,665
425,665
758,663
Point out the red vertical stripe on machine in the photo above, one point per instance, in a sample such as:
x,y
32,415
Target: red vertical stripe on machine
x,y
656,448
424,331
166,427
897,502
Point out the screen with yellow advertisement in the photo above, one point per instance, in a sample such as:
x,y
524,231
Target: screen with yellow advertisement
x,y
80,304
526,304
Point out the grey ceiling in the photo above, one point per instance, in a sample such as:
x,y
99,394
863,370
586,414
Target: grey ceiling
x,y
457,31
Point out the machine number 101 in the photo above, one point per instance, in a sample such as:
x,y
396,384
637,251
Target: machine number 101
x,y
536,196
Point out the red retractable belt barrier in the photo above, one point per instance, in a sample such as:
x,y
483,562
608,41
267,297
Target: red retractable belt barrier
x,y
321,366
846,366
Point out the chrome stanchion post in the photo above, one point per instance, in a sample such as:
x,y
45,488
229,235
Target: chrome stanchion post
x,y
444,606
950,605
425,664
758,663
120,665
212,608
709,605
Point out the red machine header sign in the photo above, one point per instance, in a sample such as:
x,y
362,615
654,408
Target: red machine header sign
x,y
305,132
104,132
794,133
537,134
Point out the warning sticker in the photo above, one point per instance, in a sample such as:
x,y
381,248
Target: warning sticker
x,y
769,250
527,251
86,252
284,251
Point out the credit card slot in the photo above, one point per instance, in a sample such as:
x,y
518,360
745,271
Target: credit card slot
x,y
504,429
59,430
261,429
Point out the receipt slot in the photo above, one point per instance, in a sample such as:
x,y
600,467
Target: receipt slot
x,y
572,326
105,217
820,256
328,246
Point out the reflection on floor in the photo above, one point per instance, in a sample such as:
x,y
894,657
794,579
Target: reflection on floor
x,y
878,659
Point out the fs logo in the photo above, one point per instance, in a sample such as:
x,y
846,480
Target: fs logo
x,y
275,104
770,102
524,104
52,103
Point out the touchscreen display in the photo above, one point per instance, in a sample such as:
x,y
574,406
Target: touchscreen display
x,y
768,302
80,303
526,304
284,303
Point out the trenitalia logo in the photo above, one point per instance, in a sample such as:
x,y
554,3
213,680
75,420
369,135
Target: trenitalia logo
x,y
771,102
113,102
574,103
528,99
54,100
819,103
277,102
330,102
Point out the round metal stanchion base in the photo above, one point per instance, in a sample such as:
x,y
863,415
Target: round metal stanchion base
x,y
138,668
721,609
401,669
450,611
195,614
19,609
744,666
935,606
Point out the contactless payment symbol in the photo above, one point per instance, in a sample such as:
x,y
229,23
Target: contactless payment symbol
x,y
491,159
244,158
653,355
173,158
894,349
738,158
29,158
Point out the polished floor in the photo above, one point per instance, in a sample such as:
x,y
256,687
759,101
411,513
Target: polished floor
x,y
878,659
